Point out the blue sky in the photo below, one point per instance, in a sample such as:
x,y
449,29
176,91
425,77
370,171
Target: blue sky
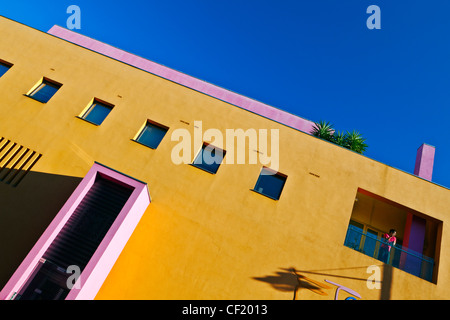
x,y
313,58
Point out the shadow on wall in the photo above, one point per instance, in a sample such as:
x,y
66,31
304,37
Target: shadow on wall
x,y
25,212
295,281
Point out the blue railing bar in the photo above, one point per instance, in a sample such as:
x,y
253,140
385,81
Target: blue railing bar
x,y
427,259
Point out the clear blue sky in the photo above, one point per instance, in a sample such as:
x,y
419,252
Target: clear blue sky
x,y
313,58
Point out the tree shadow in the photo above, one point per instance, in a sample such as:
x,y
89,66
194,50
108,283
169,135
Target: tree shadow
x,y
293,280
289,280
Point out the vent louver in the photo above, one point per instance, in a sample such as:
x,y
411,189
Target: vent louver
x,y
15,161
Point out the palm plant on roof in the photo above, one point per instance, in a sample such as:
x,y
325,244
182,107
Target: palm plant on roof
x,y
354,141
350,140
340,138
323,130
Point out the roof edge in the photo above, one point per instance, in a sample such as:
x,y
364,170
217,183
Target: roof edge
x,y
191,82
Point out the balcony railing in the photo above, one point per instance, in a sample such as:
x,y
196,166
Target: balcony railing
x,y
402,258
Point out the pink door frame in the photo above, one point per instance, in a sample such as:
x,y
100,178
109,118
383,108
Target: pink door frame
x,y
99,266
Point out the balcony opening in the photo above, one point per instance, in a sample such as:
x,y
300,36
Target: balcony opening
x,y
417,240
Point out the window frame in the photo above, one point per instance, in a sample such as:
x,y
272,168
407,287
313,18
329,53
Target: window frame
x,y
205,145
142,129
6,64
38,87
91,106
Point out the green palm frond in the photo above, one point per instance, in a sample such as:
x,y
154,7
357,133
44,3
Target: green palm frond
x,y
355,142
339,139
323,130
350,140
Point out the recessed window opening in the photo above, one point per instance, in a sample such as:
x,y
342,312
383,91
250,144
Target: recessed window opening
x,y
97,112
270,183
209,158
151,134
4,66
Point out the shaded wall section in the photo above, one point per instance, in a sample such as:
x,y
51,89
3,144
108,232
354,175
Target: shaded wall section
x,y
25,212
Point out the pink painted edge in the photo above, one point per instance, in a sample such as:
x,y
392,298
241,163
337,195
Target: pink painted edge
x,y
233,98
108,250
27,266
104,258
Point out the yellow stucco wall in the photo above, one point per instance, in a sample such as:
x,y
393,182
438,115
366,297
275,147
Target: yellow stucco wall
x,y
203,236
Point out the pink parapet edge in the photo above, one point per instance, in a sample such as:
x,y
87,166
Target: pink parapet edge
x,y
233,98
99,266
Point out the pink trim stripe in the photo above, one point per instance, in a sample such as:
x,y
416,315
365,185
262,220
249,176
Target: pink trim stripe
x,y
100,264
241,101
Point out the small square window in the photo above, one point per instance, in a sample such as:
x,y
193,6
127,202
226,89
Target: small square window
x,y
44,91
270,183
209,158
152,134
97,112
4,66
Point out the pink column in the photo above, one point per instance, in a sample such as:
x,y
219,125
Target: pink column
x,y
413,240
415,227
